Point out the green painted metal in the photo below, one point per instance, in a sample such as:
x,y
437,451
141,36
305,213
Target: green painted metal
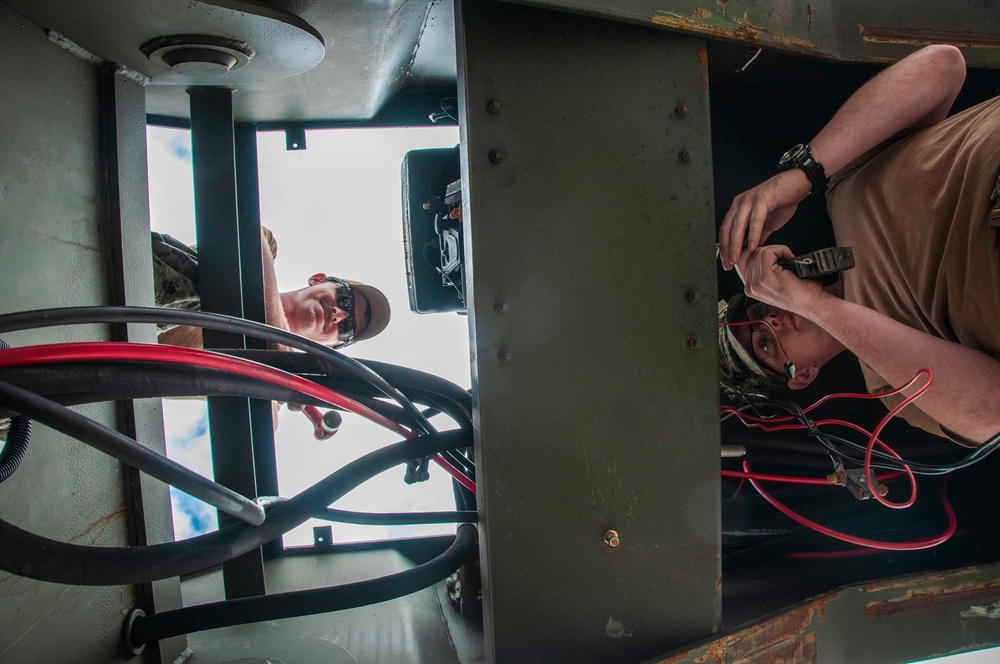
x,y
590,241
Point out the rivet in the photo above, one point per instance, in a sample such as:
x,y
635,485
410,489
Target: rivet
x,y
681,110
686,156
496,155
611,538
693,343
493,106
501,306
503,355
691,295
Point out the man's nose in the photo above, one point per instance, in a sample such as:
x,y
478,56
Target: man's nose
x,y
338,314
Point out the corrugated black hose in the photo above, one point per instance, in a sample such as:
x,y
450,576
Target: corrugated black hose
x,y
18,437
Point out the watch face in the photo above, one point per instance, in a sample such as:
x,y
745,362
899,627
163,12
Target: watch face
x,y
790,158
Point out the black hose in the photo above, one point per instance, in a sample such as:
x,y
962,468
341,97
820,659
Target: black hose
x,y
36,557
16,444
77,315
396,518
149,629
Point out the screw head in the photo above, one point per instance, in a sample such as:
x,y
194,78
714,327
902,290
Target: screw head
x,y
693,343
611,538
686,156
681,110
496,155
504,355
493,106
501,306
691,295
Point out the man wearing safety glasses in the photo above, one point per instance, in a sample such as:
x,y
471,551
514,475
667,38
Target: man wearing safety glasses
x,y
916,194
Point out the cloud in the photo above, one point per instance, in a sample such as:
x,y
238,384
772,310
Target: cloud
x,y
191,516
179,146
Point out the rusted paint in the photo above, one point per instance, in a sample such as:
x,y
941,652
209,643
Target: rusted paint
x,y
944,580
735,27
783,638
932,598
702,13
809,19
923,36
676,659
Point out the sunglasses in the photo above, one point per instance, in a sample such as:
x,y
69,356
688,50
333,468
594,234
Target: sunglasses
x,y
345,301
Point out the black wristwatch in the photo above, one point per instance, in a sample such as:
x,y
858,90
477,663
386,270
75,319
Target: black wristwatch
x,y
801,157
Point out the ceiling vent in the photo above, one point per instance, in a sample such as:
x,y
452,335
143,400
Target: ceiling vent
x,y
198,55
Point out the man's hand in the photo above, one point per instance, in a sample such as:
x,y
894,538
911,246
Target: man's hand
x,y
768,282
758,212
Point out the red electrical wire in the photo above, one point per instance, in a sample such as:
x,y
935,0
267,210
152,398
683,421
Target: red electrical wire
x,y
861,541
109,350
874,438
456,473
778,478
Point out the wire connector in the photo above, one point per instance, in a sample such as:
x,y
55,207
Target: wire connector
x,y
858,487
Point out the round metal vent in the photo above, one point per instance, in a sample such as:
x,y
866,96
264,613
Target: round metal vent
x,y
198,55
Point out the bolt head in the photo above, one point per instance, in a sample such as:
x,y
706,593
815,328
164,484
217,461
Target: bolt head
x,y
693,343
686,156
611,538
504,355
496,155
681,110
493,106
691,295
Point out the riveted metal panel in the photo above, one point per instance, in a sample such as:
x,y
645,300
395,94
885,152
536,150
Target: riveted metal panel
x,y
590,247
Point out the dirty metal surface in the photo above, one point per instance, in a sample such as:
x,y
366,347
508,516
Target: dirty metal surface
x,y
907,619
848,30
590,245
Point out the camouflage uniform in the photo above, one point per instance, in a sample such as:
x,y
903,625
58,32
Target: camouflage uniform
x,y
175,273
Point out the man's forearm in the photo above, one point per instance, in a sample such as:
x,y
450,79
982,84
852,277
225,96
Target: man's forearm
x,y
965,396
918,91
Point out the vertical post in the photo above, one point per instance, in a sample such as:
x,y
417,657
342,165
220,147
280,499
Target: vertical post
x,y
217,220
261,417
588,220
125,184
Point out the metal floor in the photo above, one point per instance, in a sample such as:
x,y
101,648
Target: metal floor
x,y
419,628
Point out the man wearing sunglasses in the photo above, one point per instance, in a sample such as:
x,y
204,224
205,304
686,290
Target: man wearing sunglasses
x,y
916,194
328,309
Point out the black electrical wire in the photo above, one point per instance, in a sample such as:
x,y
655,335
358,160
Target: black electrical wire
x,y
149,629
36,557
886,461
77,315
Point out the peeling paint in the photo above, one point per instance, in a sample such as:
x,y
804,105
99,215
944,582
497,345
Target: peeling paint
x,y
988,611
925,36
702,13
783,638
736,27
809,18
616,629
932,597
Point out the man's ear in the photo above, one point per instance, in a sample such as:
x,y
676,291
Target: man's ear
x,y
803,378
317,278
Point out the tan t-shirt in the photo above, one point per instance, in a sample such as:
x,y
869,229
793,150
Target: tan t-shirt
x,y
923,217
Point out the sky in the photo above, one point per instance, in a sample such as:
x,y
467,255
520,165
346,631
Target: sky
x,y
335,208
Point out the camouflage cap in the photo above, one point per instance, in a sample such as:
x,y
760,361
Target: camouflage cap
x,y
737,367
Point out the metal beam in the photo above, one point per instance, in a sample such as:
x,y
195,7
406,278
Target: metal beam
x,y
217,220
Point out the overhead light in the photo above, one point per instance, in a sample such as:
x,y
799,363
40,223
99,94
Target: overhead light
x,y
198,55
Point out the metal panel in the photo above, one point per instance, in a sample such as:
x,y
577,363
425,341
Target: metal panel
x,y
590,243
54,252
127,194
